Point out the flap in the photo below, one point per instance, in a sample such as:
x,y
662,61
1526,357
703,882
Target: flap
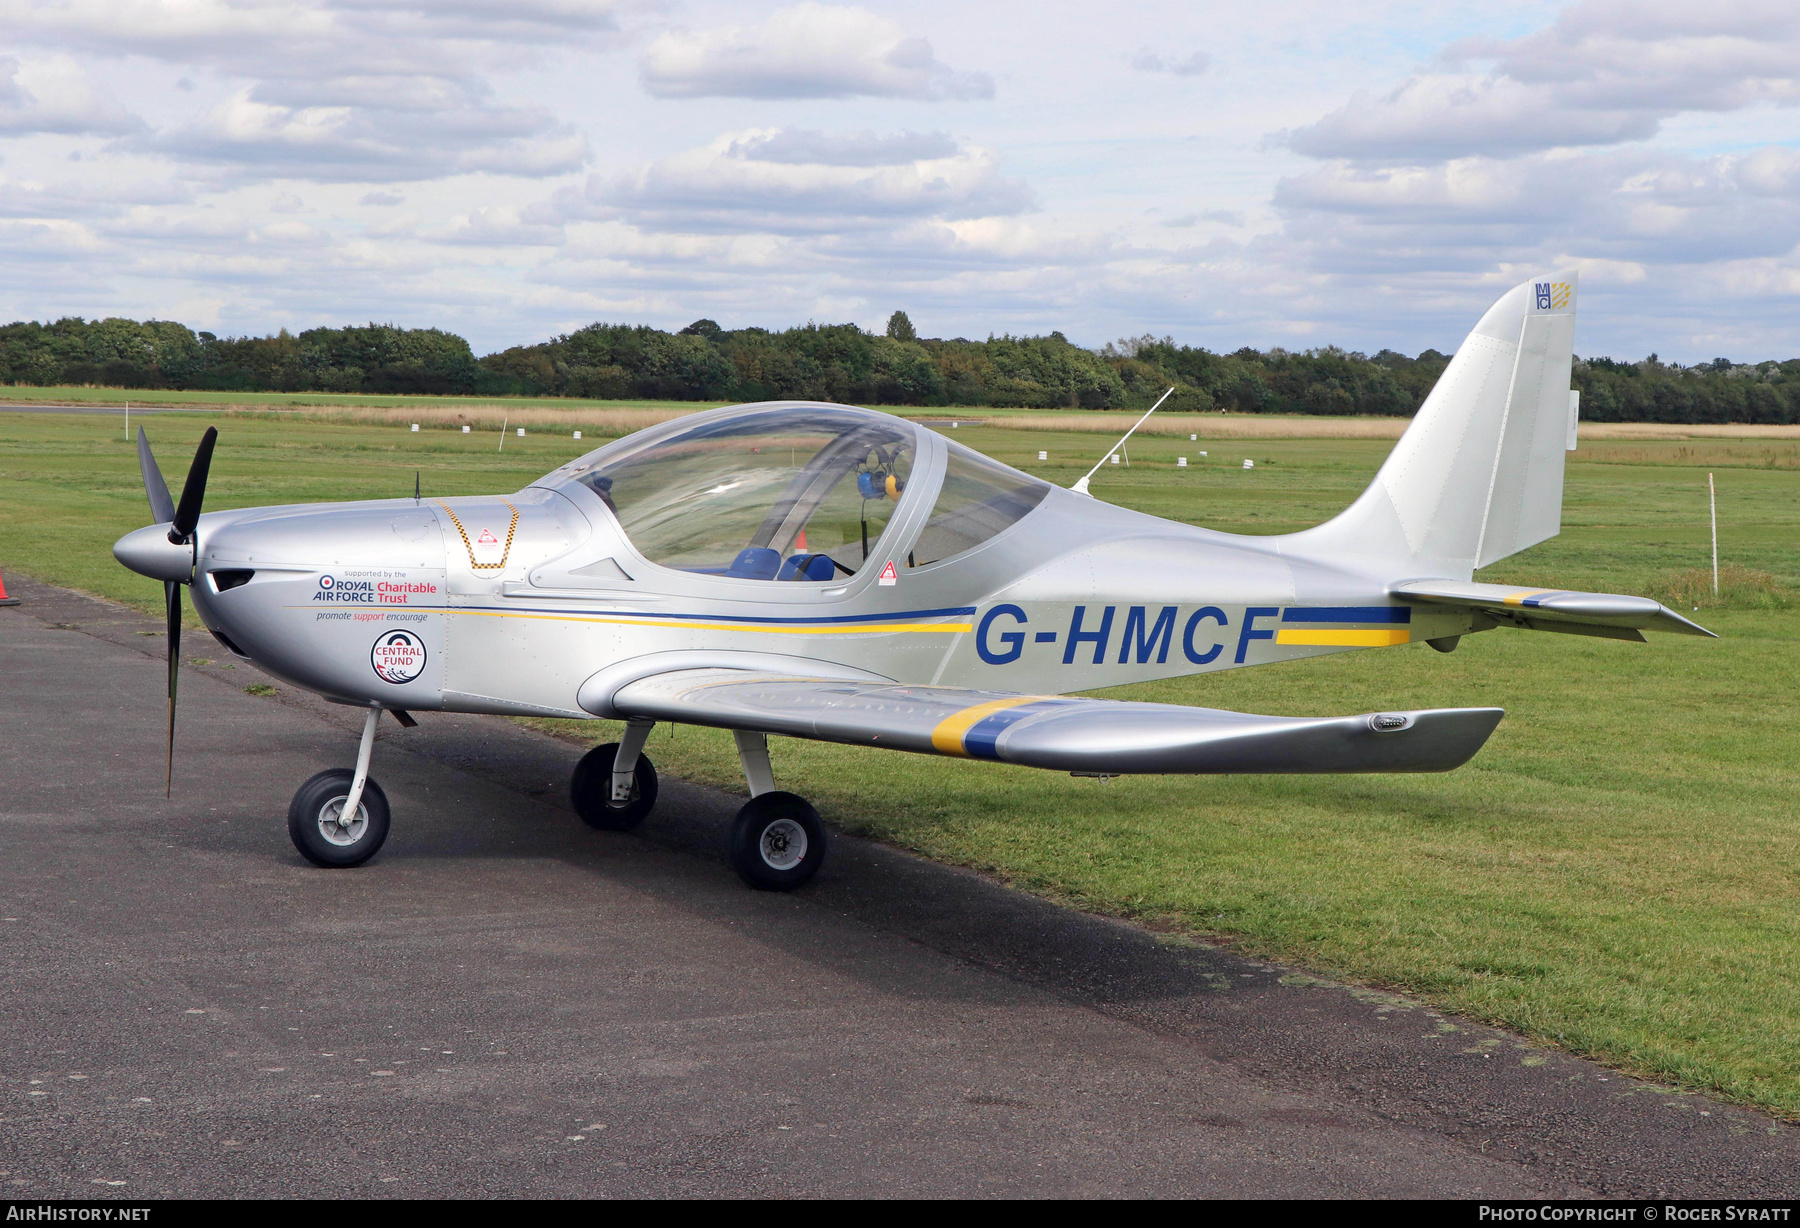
x,y
1063,733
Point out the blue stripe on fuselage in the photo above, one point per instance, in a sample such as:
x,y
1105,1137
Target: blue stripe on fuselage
x,y
1348,614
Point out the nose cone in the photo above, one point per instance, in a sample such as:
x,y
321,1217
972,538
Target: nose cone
x,y
149,552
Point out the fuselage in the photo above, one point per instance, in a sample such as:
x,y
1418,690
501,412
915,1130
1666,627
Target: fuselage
x,y
511,604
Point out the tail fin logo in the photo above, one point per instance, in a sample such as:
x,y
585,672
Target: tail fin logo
x,y
1551,295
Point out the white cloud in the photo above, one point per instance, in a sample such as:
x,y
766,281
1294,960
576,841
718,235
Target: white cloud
x,y
338,90
57,97
1437,116
810,50
501,226
1190,65
263,35
850,183
253,140
1657,54
1645,209
802,146
1605,72
68,199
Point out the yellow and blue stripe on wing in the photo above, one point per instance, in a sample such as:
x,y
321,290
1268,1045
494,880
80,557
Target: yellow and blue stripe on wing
x,y
974,732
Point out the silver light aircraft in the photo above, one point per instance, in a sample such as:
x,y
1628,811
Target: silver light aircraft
x,y
829,572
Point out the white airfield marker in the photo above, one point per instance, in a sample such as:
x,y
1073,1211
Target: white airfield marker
x,y
1712,500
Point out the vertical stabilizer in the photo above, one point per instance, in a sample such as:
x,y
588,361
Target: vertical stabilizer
x,y
1479,473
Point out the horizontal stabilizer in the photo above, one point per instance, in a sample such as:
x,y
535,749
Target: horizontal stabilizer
x,y
1551,609
1062,733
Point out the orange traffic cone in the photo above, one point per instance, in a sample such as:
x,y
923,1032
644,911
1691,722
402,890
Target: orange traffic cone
x,y
4,599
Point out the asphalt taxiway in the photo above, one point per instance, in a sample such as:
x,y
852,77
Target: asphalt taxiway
x,y
505,1003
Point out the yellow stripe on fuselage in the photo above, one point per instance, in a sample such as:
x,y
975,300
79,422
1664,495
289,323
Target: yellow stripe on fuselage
x,y
815,629
1382,638
947,738
812,629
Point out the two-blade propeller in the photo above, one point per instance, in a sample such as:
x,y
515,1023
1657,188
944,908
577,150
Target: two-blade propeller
x,y
182,519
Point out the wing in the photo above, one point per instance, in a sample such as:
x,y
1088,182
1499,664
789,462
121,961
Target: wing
x,y
1100,736
1549,609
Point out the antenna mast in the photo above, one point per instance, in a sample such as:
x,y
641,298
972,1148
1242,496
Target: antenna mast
x,y
1081,487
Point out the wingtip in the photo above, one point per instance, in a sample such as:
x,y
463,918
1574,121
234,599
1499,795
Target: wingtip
x,y
1683,625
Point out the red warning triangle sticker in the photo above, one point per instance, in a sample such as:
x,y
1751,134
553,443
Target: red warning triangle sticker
x,y
889,574
487,539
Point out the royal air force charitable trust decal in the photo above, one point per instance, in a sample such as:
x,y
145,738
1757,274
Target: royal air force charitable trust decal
x,y
382,590
398,657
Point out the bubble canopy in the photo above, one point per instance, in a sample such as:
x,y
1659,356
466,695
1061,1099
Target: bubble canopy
x,y
796,491
779,492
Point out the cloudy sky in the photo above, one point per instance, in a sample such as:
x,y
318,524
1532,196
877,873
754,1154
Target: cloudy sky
x,y
1292,172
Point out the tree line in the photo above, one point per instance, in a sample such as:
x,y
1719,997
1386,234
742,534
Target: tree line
x,y
842,362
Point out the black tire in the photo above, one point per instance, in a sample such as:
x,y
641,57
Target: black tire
x,y
314,811
764,836
590,790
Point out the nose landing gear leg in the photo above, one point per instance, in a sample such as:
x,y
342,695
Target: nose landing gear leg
x,y
339,818
777,842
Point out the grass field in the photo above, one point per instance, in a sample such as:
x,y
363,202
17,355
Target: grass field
x,y
1618,872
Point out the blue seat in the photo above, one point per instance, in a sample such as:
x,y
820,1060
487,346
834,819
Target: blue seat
x,y
755,563
807,567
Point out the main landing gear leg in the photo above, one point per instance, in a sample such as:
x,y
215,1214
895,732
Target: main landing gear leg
x,y
340,818
777,842
614,786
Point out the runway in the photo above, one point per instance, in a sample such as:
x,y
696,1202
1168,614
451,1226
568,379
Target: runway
x,y
505,1003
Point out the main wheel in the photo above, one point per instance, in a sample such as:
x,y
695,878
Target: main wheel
x,y
316,820
777,842
590,789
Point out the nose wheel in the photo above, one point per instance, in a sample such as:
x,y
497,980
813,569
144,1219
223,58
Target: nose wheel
x,y
339,818
322,830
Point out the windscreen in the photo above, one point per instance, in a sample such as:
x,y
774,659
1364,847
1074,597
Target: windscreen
x,y
781,494
979,499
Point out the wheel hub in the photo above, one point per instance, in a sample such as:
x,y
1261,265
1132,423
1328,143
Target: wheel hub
x,y
783,844
341,829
